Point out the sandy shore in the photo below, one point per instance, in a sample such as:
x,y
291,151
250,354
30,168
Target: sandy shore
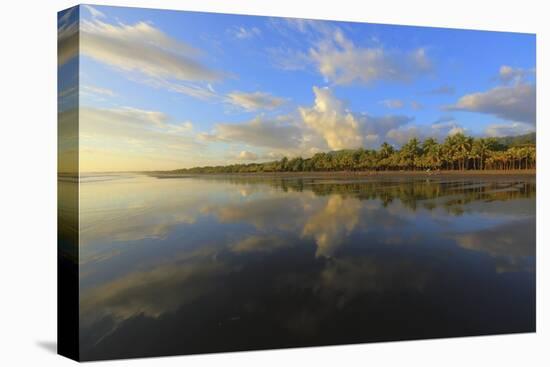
x,y
509,174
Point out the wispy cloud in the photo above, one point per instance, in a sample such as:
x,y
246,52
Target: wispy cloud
x,y
254,101
90,89
443,90
340,61
144,49
258,132
393,103
93,11
243,33
131,138
416,105
148,55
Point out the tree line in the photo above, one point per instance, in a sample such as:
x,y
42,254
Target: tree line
x,y
457,152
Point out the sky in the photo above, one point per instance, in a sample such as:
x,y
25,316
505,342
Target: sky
x,y
160,89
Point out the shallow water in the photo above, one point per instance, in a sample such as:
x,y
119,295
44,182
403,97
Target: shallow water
x,y
193,265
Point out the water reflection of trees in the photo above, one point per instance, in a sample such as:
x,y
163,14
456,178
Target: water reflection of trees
x,y
430,194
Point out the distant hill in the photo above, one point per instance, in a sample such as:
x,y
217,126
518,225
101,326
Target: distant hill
x,y
518,140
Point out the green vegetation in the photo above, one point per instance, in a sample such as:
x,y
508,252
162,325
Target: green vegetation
x,y
457,152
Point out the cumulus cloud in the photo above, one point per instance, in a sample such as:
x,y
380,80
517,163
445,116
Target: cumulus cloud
x,y
254,101
328,118
340,61
514,103
341,128
508,74
327,124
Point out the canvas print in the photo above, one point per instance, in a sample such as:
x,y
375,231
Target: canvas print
x,y
234,183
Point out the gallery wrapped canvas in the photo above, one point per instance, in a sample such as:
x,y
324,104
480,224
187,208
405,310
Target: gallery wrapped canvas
x,y
233,183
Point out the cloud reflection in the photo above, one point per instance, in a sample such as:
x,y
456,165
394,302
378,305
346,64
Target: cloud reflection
x,y
331,225
513,244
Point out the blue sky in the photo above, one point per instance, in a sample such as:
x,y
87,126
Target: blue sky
x,y
168,89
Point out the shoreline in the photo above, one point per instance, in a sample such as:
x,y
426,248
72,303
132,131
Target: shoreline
x,y
528,173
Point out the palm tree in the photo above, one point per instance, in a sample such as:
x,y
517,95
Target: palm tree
x,y
410,152
463,145
480,148
432,153
386,150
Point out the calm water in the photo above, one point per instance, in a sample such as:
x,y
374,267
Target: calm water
x,y
193,265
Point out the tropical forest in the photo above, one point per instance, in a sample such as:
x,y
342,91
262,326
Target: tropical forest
x,y
457,152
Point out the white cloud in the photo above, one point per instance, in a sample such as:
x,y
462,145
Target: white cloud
x,y
438,130
90,89
342,129
327,124
507,74
288,59
204,92
94,12
254,101
245,33
258,132
148,55
514,103
341,62
327,117
338,59
247,156
393,103
511,129
145,49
